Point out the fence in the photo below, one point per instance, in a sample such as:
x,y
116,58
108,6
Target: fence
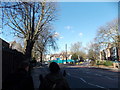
x,y
10,61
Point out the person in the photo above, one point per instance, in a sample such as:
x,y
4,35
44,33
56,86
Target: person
x,y
53,80
20,79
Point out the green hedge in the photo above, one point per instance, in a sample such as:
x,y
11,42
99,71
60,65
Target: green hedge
x,y
108,63
98,62
92,63
104,62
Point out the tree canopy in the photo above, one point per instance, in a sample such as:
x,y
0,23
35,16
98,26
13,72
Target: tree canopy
x,y
28,20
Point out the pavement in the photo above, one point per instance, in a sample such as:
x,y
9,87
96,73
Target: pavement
x,y
35,74
107,68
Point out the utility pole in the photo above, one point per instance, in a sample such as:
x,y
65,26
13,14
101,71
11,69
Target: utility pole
x,y
66,52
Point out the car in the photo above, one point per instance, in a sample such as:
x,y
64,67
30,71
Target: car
x,y
81,62
46,63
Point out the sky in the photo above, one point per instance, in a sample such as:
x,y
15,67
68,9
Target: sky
x,y
79,21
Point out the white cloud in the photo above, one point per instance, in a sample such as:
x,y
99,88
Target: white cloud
x,y
80,34
56,34
68,27
61,37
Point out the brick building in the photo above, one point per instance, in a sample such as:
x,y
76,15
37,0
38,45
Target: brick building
x,y
110,53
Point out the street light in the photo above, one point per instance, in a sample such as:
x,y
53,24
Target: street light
x,y
66,53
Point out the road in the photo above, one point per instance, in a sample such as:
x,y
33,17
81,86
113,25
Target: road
x,y
82,77
91,78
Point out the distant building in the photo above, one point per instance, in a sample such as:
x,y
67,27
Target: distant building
x,y
15,45
61,56
119,53
103,55
47,57
110,53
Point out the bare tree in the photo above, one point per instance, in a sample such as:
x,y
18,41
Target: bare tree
x,y
28,20
77,50
93,51
44,42
109,34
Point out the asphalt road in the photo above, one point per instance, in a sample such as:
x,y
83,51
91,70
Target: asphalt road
x,y
81,77
91,78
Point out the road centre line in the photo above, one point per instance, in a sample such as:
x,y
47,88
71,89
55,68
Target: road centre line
x,y
105,76
83,80
98,74
77,77
109,78
87,72
68,74
96,85
86,82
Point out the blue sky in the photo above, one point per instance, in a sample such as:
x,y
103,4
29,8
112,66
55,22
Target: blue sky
x,y
79,21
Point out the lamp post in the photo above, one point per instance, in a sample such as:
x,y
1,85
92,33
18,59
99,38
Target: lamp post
x,y
66,52
49,52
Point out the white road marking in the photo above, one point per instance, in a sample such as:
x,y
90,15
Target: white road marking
x,y
109,78
77,77
85,81
98,74
105,76
96,85
68,74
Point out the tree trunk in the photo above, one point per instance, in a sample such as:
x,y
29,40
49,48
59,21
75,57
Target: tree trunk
x,y
28,50
119,51
41,53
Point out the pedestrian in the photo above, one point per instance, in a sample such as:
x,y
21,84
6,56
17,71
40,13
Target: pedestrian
x,y
20,79
54,80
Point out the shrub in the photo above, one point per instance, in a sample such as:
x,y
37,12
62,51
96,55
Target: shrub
x,y
108,63
92,63
74,56
98,62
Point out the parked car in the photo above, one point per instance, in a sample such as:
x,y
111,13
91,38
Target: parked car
x,y
46,63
